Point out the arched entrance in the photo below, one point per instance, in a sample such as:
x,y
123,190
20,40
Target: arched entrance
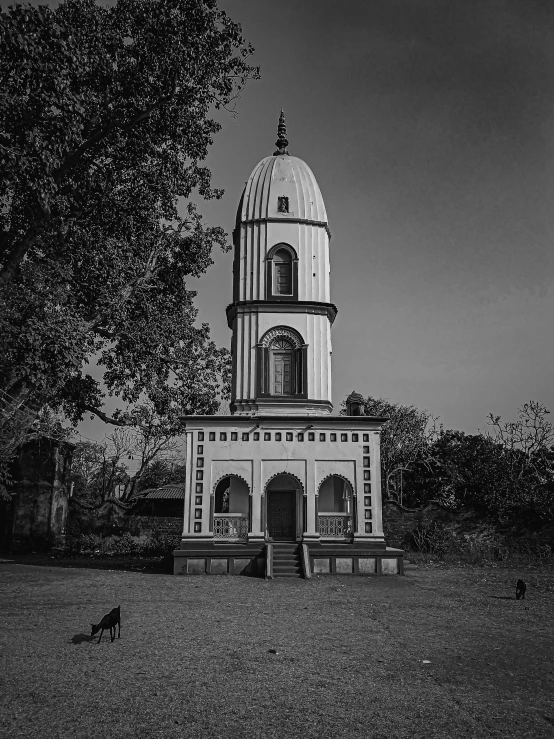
x,y
335,508
284,508
231,512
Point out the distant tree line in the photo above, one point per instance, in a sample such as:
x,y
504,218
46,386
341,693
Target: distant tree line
x,y
506,471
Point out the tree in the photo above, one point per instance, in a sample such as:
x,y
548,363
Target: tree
x,y
162,472
528,457
104,123
405,438
458,470
507,472
101,471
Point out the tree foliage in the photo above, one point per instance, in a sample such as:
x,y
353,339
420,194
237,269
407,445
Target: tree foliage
x,y
105,118
130,459
405,438
507,472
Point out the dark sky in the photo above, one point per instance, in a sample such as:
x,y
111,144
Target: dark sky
x,y
429,127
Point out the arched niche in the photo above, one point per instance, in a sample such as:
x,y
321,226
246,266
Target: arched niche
x,y
231,495
335,495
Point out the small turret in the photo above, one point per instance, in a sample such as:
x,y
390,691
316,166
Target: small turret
x,y
355,405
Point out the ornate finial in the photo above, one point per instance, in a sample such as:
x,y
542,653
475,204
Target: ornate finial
x,y
282,141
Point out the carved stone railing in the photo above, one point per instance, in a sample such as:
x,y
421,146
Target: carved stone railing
x,y
335,525
230,526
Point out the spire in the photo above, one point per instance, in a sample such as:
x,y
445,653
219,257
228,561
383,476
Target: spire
x,y
282,141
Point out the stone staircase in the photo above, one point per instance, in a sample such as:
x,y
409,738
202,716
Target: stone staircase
x,y
287,560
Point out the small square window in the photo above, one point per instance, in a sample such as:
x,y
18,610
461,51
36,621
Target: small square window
x,y
368,527
200,436
322,437
354,437
198,513
200,462
212,435
289,436
199,475
366,462
366,437
200,449
256,436
199,488
223,436
277,436
367,514
267,436
367,475
311,436
197,527
367,500
300,437
333,437
234,436
365,450
198,500
245,437
367,487
344,437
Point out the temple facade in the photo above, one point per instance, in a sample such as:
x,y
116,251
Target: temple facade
x,y
281,487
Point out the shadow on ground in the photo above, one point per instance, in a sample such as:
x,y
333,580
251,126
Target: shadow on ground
x,y
146,566
80,638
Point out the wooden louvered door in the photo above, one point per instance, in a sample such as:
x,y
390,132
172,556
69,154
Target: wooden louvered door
x,y
282,373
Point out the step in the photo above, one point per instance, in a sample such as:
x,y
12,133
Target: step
x,y
287,574
286,569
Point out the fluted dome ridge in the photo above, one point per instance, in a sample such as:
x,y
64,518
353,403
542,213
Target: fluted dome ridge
x,y
277,177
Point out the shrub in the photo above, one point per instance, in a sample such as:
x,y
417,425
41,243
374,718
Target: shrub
x,y
157,543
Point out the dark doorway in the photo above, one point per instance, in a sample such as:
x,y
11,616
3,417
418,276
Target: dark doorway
x,y
281,518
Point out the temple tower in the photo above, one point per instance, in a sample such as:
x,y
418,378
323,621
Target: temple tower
x,y
282,488
281,315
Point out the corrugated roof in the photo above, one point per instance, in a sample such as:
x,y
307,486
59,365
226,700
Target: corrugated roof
x,y
168,492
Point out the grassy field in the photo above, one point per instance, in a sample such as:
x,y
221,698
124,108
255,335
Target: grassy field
x,y
194,656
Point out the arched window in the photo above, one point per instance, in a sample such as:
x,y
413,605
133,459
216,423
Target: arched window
x,y
282,272
282,364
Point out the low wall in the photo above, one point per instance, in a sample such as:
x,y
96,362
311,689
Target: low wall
x,y
112,520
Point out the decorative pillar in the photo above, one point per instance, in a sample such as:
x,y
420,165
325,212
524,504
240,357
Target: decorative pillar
x,y
376,495
256,531
312,528
189,483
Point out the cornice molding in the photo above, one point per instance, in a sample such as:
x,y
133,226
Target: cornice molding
x,y
276,306
288,218
354,423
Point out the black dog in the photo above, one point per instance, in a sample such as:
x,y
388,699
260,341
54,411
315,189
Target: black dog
x,y
521,587
110,621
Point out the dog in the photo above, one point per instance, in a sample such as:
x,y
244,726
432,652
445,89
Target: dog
x,y
521,587
110,621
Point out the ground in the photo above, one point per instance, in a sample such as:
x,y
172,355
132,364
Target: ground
x,y
437,653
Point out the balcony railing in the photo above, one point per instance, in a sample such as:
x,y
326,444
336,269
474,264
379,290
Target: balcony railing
x,y
231,526
335,525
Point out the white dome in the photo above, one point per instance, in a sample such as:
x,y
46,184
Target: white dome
x,y
277,176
